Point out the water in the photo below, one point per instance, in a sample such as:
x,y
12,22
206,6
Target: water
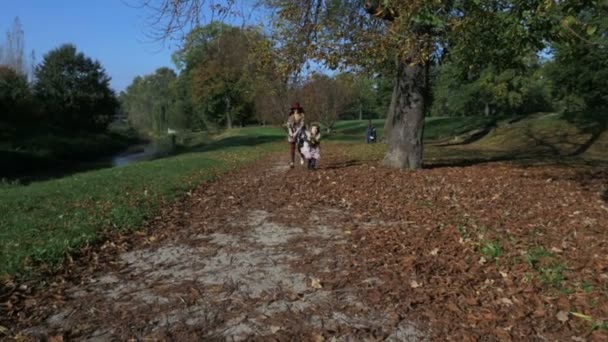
x,y
135,154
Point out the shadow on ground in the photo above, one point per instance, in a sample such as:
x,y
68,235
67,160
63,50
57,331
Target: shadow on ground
x,y
234,141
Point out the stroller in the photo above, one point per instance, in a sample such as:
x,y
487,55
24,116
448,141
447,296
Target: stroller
x,y
300,139
371,134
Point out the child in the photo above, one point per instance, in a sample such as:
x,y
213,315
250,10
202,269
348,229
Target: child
x,y
312,146
295,128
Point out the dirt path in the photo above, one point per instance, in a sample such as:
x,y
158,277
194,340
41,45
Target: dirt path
x,y
353,251
237,265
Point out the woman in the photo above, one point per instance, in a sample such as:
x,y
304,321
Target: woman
x,y
295,127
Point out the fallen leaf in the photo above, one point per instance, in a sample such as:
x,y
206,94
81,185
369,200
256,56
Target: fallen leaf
x,y
56,338
3,329
316,283
435,251
414,284
506,301
318,338
582,316
562,316
274,329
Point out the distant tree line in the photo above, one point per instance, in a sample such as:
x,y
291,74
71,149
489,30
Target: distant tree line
x,y
229,76
67,91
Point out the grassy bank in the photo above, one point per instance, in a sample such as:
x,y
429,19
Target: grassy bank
x,y
541,138
42,222
30,150
436,128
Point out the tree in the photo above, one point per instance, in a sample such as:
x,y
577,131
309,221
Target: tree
x,y
326,99
75,90
362,91
580,66
15,96
222,80
12,52
409,35
457,92
151,103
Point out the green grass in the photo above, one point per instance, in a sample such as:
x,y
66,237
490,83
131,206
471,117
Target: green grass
x,y
43,221
557,134
550,270
552,275
491,250
439,128
534,256
436,128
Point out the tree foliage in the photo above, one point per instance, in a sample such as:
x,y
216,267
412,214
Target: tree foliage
x,y
74,90
15,96
579,67
151,105
222,78
457,92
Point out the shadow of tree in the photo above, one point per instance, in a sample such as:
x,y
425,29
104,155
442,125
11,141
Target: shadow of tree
x,y
594,123
344,164
231,142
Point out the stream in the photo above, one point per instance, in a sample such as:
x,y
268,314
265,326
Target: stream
x,y
133,154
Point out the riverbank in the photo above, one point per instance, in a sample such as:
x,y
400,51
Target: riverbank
x,y
44,222
37,152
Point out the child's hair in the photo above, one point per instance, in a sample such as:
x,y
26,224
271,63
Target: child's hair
x,y
315,125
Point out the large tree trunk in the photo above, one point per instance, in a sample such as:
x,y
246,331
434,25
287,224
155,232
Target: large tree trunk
x,y
388,123
405,123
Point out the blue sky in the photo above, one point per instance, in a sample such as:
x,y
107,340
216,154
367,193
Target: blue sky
x,y
107,30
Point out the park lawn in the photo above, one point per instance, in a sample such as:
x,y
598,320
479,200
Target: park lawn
x,y
43,222
544,137
436,128
46,220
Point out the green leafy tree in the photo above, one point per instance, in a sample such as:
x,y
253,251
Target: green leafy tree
x,y
361,87
408,35
222,79
151,103
580,65
75,90
15,96
510,91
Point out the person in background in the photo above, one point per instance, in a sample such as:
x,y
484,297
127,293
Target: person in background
x,y
370,134
295,128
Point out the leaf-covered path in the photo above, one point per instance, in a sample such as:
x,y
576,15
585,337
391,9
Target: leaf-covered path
x,y
352,251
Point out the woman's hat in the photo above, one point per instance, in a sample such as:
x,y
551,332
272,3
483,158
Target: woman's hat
x,y
295,105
